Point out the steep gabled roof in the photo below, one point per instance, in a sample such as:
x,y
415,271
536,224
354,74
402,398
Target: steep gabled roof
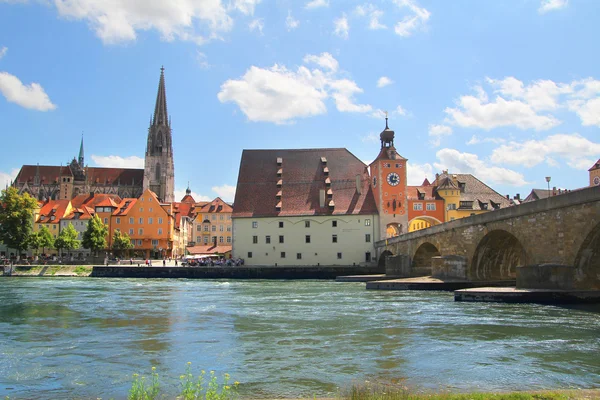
x,y
124,206
595,166
53,209
215,206
472,189
289,183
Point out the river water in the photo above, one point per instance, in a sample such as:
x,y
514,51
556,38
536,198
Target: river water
x,y
85,337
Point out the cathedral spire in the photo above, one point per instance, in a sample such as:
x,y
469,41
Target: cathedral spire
x,y
80,160
160,110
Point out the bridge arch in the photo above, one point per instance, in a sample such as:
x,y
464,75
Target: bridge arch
x,y
497,256
423,255
587,260
384,254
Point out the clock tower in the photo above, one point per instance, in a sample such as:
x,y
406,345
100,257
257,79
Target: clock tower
x,y
388,180
595,174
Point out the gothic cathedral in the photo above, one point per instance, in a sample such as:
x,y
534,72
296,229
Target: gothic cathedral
x,y
159,168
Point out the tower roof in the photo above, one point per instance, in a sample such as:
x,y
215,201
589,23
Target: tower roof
x,y
81,151
160,109
595,166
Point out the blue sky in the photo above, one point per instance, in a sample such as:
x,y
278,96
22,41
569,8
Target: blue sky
x,y
506,90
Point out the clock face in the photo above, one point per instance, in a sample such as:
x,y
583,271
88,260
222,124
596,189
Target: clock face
x,y
597,180
393,179
374,181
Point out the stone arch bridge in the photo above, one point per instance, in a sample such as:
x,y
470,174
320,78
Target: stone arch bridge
x,y
563,230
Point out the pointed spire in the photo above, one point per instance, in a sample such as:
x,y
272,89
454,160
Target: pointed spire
x,y
160,110
81,152
188,191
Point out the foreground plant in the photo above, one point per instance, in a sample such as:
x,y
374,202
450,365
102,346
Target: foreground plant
x,y
142,390
194,389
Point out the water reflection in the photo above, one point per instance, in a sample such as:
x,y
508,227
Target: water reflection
x,y
84,338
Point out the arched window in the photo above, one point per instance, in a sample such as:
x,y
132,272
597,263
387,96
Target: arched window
x,y
158,172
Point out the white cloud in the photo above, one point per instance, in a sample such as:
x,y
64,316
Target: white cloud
x,y
551,5
317,4
280,95
411,23
180,194
290,22
30,96
520,111
475,140
324,60
275,94
342,28
343,95
245,6
257,24
3,51
384,81
225,192
118,161
527,106
370,137
417,173
7,177
467,163
119,21
398,111
202,60
437,131
571,148
585,101
374,14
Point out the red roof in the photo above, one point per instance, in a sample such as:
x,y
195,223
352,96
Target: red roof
x,y
210,249
124,206
215,206
51,173
183,209
53,208
188,199
412,193
302,179
48,173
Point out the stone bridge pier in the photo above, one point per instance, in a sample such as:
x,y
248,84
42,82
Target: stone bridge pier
x,y
562,232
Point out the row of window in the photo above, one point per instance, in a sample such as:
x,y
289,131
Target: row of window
x,y
214,217
207,228
139,242
299,255
419,206
307,239
141,231
388,165
221,239
334,223
132,220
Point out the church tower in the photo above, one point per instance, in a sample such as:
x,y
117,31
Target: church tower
x,y
159,168
388,180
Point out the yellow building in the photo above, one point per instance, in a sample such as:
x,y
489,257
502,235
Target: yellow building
x,y
213,223
464,195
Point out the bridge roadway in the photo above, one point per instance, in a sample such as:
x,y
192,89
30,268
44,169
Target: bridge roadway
x,y
561,232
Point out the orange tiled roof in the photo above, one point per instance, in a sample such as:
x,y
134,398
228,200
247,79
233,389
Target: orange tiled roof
x,y
52,208
215,206
208,250
124,206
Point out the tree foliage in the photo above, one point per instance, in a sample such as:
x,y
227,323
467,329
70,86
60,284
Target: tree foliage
x,y
67,239
46,240
16,218
94,237
121,241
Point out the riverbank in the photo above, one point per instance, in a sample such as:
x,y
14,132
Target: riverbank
x,y
52,270
385,393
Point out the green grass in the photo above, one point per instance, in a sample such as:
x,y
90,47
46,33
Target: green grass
x,y
388,392
81,270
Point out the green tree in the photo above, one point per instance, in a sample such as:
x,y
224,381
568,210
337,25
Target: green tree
x,y
16,219
121,242
67,239
94,237
34,241
46,239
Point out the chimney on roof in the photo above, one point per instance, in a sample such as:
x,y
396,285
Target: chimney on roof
x,y
322,198
358,184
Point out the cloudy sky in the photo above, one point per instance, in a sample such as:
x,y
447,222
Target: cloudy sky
x,y
507,90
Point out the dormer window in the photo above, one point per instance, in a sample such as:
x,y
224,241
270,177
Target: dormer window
x,y
52,218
